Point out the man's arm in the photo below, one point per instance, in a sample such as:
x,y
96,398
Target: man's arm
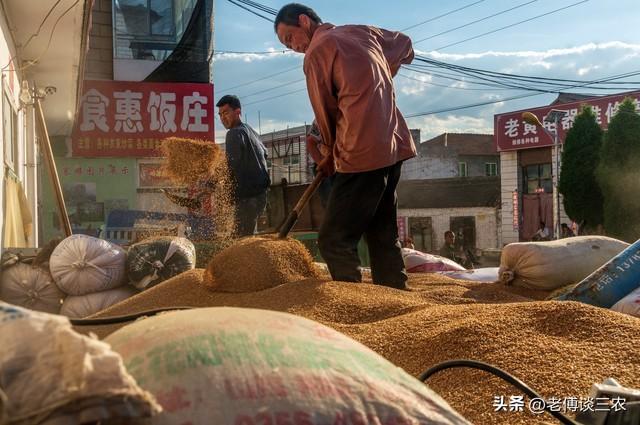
x,y
183,201
397,48
318,69
234,146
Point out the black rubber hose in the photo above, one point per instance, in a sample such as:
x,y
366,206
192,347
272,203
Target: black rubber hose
x,y
125,318
499,373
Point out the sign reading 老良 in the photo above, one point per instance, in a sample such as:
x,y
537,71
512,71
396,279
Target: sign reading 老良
x,y
512,133
119,118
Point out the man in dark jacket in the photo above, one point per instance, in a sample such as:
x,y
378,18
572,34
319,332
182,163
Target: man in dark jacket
x,y
246,156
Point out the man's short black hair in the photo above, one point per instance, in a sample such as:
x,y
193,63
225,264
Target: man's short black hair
x,y
290,13
449,232
231,100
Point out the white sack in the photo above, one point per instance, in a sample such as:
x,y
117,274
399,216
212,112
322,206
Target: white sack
x,y
629,304
82,264
52,375
79,306
551,265
31,287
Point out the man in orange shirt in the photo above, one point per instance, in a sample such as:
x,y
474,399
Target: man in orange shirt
x,y
349,71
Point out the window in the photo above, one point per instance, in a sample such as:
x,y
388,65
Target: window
x,y
10,132
462,169
491,169
145,29
537,178
292,168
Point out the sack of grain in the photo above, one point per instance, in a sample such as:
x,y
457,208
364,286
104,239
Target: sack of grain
x,y
245,366
157,259
82,264
551,265
420,262
629,304
52,375
79,306
485,274
31,287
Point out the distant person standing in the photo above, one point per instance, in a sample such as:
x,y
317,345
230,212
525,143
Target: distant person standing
x,y
349,71
448,249
247,159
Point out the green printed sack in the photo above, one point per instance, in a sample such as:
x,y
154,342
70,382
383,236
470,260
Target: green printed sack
x,y
252,367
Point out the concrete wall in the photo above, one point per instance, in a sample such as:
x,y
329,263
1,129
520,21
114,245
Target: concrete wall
x,y
486,223
100,55
443,167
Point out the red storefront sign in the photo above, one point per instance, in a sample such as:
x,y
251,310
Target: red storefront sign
x,y
119,118
512,133
516,211
402,228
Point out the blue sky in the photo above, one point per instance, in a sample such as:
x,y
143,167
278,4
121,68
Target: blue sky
x,y
589,41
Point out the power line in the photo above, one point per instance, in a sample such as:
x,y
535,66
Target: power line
x,y
284,71
263,52
275,97
35,34
441,16
250,11
431,83
53,30
259,6
474,105
500,78
475,22
289,83
510,26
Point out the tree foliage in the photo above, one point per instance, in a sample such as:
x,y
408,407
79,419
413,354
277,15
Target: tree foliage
x,y
583,201
619,173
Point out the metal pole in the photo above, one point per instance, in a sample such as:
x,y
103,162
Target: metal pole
x,y
557,180
259,123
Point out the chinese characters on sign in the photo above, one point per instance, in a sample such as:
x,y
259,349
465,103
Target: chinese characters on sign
x,y
517,403
131,119
109,170
512,133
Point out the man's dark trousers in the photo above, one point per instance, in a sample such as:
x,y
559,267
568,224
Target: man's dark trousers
x,y
364,204
248,210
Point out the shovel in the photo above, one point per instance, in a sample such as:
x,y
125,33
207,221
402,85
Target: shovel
x,y
290,221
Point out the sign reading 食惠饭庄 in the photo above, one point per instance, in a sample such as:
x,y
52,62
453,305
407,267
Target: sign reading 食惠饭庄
x,y
118,118
512,133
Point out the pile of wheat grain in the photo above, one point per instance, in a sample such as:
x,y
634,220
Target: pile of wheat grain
x,y
559,349
264,262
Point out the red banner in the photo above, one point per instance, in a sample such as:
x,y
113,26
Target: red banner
x,y
119,118
512,133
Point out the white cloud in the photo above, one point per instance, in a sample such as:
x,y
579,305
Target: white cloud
x,y
533,54
253,57
432,125
587,69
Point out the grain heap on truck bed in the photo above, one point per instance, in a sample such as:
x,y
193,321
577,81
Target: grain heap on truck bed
x,y
559,349
257,263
